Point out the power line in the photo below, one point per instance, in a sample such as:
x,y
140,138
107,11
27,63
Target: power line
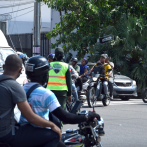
x,y
17,10
26,3
24,13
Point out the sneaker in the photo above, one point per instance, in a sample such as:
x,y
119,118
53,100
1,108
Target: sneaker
x,y
111,98
101,132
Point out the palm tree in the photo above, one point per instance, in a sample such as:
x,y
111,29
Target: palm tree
x,y
129,49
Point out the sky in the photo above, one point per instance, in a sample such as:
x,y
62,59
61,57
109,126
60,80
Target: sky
x,y
23,10
20,7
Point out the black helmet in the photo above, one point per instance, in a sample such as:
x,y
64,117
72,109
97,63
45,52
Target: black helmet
x,y
74,59
51,56
37,68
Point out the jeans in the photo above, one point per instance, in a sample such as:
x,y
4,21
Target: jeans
x,y
30,136
105,85
74,92
111,88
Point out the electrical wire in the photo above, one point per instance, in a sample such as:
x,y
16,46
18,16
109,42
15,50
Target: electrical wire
x,y
17,31
16,5
17,10
10,36
23,14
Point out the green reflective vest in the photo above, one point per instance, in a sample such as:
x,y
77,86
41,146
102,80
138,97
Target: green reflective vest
x,y
57,76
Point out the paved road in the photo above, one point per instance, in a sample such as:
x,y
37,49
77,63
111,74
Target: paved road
x,y
125,123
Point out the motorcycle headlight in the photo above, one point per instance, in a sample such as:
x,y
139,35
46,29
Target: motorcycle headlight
x,y
94,79
134,83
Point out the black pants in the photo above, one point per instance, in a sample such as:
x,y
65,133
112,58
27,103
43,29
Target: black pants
x,y
79,83
111,88
30,136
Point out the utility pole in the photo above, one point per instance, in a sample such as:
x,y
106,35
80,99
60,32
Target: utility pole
x,y
36,33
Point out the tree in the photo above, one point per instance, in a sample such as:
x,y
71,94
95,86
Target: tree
x,y
83,21
129,49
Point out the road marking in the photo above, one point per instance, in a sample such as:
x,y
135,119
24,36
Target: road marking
x,y
129,102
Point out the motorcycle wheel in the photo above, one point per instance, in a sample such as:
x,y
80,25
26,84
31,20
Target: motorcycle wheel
x,y
90,96
106,101
144,96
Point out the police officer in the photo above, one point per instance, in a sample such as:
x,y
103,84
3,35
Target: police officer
x,y
59,81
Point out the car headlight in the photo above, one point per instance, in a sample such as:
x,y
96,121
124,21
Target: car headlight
x,y
134,83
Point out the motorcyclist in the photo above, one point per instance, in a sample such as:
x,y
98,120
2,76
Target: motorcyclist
x,y
110,82
23,56
106,67
83,70
74,76
78,81
43,101
74,62
59,81
51,58
11,93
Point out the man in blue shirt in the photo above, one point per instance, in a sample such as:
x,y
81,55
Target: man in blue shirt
x,y
43,101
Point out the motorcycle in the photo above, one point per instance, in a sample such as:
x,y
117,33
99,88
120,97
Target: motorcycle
x,y
144,96
87,86
96,91
87,135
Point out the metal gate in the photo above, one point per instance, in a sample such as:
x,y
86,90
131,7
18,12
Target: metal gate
x,y
24,43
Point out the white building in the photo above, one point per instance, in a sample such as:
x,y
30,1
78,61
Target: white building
x,y
21,15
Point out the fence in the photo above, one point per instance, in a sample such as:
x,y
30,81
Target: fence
x,y
24,43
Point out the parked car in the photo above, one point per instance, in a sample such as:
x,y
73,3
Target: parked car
x,y
124,87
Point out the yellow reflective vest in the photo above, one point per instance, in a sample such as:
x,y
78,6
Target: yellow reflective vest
x,y
57,76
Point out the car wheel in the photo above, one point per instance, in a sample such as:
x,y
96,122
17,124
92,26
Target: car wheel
x,y
124,98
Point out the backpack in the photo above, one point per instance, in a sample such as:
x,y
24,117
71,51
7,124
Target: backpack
x,y
99,68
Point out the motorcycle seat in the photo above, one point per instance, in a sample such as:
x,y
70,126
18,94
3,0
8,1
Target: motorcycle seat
x,y
4,144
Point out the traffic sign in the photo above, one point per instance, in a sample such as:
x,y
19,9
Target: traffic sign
x,y
105,39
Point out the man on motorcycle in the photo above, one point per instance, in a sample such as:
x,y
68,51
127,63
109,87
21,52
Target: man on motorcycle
x,y
106,67
11,93
110,82
43,101
78,81
74,62
51,58
74,76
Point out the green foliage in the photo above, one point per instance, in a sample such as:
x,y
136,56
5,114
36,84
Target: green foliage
x,y
83,21
129,49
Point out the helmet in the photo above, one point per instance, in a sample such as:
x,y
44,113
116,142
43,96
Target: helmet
x,y
23,56
37,68
74,59
106,55
51,56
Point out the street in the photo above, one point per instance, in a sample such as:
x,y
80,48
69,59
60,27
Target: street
x,y
125,123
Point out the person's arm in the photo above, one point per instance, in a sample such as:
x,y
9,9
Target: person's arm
x,y
69,82
73,118
111,64
35,119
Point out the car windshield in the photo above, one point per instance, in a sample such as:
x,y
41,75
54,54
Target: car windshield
x,y
4,53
